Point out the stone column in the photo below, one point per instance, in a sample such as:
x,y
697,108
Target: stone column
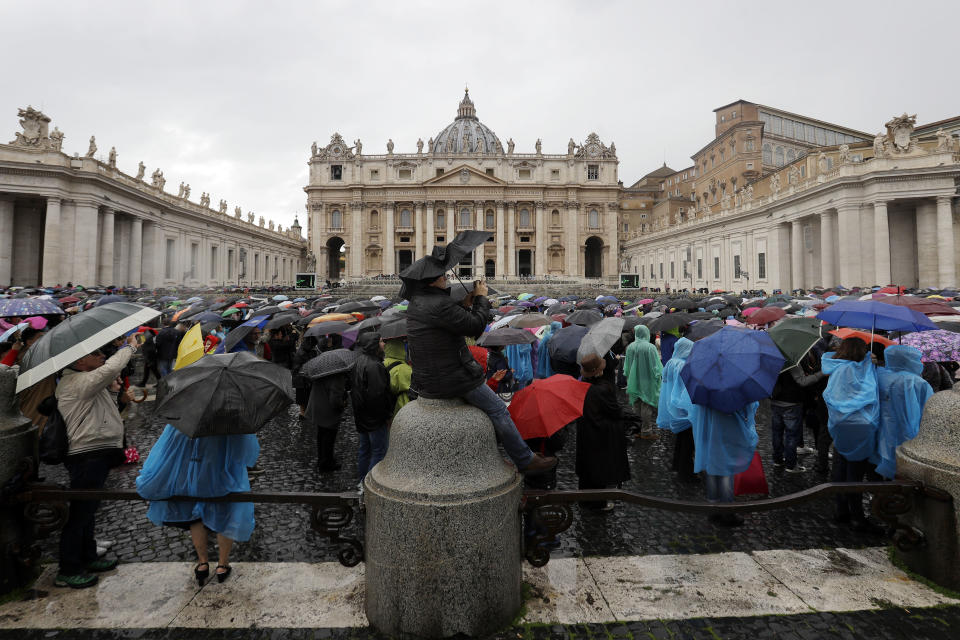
x,y
418,230
796,255
540,259
431,237
827,236
946,269
928,262
848,243
451,221
881,244
6,240
389,253
511,231
85,244
479,254
612,267
355,265
51,243
572,233
500,238
105,273
136,251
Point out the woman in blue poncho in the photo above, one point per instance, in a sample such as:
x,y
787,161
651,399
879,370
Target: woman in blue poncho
x,y
853,406
675,409
202,467
520,357
543,353
903,394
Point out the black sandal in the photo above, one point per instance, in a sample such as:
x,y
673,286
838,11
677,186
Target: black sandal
x,y
202,575
223,576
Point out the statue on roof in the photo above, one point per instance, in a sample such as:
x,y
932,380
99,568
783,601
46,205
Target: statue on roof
x,y
141,169
92,149
112,157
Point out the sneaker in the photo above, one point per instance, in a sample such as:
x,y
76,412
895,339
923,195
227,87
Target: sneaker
x,y
101,551
805,451
796,469
79,581
778,464
99,566
539,464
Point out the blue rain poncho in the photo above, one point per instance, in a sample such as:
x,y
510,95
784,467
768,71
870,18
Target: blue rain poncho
x,y
643,369
853,404
725,442
520,358
543,354
903,394
203,467
675,408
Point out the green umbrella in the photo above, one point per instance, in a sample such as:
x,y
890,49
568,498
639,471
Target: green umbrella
x,y
230,311
795,336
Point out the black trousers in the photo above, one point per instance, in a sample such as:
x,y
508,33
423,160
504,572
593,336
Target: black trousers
x,y
77,545
326,442
849,505
149,364
683,453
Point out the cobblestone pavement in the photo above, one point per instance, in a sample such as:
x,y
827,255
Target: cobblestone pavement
x,y
884,624
288,455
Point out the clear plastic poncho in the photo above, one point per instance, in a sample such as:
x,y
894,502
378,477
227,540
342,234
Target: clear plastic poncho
x,y
543,353
520,357
675,408
853,403
642,368
725,442
903,394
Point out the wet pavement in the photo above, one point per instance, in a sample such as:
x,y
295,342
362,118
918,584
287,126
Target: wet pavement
x,y
288,457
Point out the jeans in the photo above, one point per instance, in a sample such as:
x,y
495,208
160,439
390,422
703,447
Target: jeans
x,y
77,545
719,488
786,429
165,366
483,398
372,446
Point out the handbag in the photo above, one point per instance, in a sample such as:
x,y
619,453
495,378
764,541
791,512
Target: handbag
x,y
53,439
753,481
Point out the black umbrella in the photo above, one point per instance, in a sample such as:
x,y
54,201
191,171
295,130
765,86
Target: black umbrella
x,y
703,328
304,321
505,336
329,362
230,393
587,304
394,327
282,320
265,311
369,323
683,303
565,342
585,317
460,290
326,328
440,261
110,299
239,333
78,336
669,321
362,307
560,307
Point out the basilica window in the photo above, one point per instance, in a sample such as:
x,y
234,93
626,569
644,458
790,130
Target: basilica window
x,y
791,155
555,218
749,145
593,172
555,175
523,174
168,263
767,154
489,219
761,266
524,218
439,172
405,219
336,172
593,219
441,219
490,171
778,157
374,174
464,217
374,220
336,219
406,174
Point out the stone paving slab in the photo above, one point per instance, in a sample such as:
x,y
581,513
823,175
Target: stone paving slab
x,y
566,591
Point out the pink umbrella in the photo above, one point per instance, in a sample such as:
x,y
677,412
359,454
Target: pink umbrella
x,y
645,301
36,322
750,310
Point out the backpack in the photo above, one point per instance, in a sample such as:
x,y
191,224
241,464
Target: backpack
x,y
53,440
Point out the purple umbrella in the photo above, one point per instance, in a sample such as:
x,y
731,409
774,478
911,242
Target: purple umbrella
x,y
935,346
23,307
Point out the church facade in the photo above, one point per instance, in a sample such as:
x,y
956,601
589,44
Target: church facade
x,y
548,215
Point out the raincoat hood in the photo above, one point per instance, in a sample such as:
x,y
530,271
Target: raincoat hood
x,y
394,350
369,343
903,358
641,332
682,349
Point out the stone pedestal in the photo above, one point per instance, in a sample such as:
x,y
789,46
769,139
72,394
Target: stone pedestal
x,y
933,457
442,526
18,455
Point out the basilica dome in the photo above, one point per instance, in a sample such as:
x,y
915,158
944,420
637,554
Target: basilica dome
x,y
464,133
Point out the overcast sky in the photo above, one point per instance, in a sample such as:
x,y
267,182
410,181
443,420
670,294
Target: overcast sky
x,y
228,96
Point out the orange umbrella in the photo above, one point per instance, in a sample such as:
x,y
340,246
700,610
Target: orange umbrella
x,y
330,317
863,335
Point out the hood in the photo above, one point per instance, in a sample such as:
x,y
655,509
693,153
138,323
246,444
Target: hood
x,y
555,326
900,357
394,350
641,332
682,349
369,343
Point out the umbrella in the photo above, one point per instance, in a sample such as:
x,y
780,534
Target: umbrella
x,y
925,306
239,333
505,336
327,328
703,328
369,323
948,325
230,393
332,317
358,306
108,299
795,337
526,320
23,307
281,319
565,342
69,300
78,336
683,303
559,307
669,321
585,317
731,368
207,316
392,329
875,315
329,363
280,298
547,405
265,311
866,336
600,338
231,311
935,346
459,290
766,315
441,260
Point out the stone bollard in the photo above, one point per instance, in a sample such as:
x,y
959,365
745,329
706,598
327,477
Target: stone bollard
x,y
442,526
933,457
18,457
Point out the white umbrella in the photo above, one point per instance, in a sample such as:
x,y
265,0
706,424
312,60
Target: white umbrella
x,y
600,338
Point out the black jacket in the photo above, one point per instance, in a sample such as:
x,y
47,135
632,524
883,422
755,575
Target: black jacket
x,y
168,340
443,366
370,386
328,397
601,439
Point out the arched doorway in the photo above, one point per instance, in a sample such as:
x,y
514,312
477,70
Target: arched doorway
x,y
593,259
336,261
524,262
490,269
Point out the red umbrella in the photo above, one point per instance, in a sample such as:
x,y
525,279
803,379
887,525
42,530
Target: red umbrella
x,y
866,336
925,306
547,405
766,315
506,309
69,300
897,290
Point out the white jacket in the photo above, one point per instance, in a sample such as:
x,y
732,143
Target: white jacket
x,y
89,409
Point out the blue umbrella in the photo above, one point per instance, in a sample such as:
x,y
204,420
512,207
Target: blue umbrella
x,y
731,368
24,307
207,316
872,314
565,342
